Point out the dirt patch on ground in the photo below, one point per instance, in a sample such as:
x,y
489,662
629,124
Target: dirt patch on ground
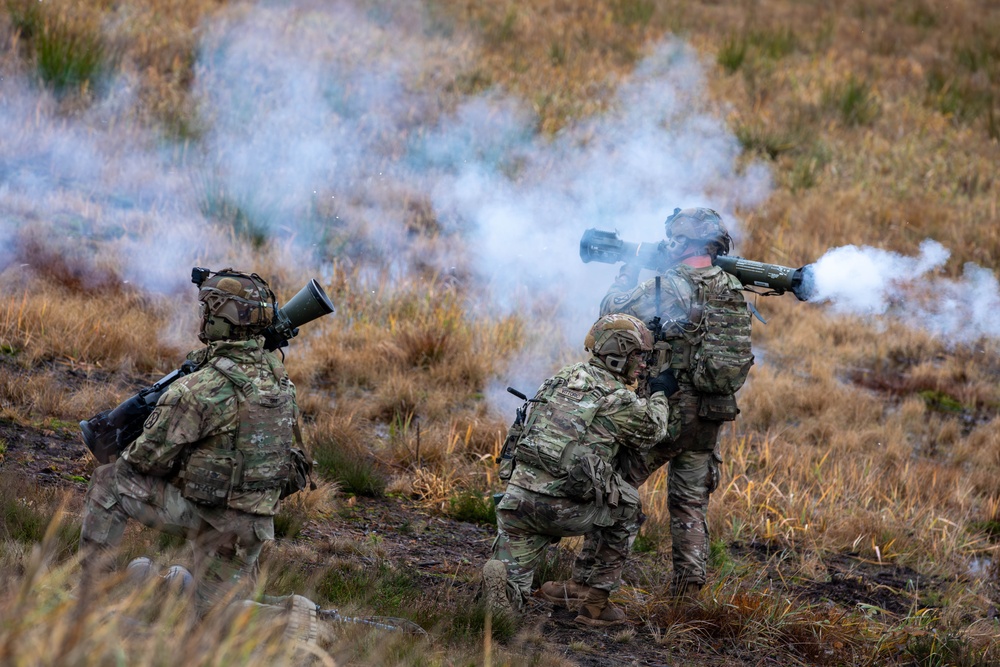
x,y
851,581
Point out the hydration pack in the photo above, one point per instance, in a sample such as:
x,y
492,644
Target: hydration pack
x,y
713,343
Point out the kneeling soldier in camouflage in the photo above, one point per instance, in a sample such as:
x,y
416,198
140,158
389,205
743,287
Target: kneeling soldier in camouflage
x,y
563,483
215,455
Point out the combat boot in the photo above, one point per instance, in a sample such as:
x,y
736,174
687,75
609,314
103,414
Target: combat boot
x,y
140,570
303,622
685,591
569,594
597,612
495,587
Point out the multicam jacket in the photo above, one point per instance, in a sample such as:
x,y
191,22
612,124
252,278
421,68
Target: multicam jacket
x,y
593,410
200,414
681,305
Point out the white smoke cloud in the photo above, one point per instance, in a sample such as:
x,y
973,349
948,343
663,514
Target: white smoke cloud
x,y
869,281
330,105
657,149
95,189
326,122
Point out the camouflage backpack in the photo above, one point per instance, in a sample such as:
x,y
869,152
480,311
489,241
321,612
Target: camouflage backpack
x,y
553,437
721,355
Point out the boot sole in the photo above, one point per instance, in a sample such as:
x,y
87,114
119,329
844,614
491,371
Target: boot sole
x,y
495,587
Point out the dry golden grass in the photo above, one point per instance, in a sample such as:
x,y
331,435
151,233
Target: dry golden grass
x,y
150,42
879,121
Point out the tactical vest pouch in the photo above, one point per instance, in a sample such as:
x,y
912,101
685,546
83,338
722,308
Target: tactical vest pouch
x,y
209,475
722,361
627,495
717,408
587,479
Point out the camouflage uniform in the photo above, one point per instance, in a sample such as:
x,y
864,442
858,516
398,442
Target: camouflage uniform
x,y
541,505
694,456
213,410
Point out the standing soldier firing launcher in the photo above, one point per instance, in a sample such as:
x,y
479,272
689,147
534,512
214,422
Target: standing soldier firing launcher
x,y
215,455
563,481
703,336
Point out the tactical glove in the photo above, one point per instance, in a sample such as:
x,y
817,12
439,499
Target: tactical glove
x,y
665,382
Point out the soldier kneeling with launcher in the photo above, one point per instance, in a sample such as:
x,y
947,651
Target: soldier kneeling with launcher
x,y
562,481
215,455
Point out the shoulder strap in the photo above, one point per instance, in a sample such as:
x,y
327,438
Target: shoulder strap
x,y
231,371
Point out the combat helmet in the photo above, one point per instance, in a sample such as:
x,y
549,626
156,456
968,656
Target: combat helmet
x,y
700,225
235,305
615,338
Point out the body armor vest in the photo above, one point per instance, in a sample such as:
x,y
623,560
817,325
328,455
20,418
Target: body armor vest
x,y
248,470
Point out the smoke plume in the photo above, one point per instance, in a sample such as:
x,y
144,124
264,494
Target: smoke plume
x,y
874,282
332,131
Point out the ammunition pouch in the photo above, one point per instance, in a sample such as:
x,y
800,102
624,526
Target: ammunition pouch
x,y
717,407
587,481
718,373
209,475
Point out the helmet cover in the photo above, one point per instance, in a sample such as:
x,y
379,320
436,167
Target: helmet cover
x,y
618,334
699,224
241,299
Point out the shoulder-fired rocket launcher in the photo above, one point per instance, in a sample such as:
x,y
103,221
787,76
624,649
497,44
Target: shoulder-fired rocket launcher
x,y
598,245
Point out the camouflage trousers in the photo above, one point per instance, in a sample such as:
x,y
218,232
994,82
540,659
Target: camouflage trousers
x,y
693,475
528,522
226,542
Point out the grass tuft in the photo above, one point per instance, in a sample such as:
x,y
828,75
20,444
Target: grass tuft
x,y
353,471
756,138
239,216
633,12
26,512
854,101
474,507
732,53
70,57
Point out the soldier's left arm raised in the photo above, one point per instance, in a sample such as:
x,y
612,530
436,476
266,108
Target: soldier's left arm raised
x,y
641,422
